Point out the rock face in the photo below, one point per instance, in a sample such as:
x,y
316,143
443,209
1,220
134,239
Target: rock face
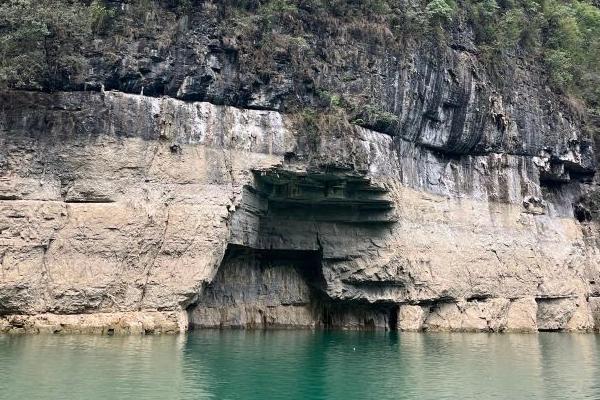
x,y
114,207
444,201
122,211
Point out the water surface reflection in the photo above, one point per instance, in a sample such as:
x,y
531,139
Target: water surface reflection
x,y
301,365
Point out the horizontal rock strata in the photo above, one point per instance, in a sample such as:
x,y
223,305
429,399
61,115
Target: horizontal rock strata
x,y
114,323
117,212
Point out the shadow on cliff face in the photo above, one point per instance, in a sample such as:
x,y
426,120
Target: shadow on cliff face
x,y
260,289
272,273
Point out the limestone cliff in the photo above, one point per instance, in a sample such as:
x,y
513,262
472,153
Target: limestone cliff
x,y
443,201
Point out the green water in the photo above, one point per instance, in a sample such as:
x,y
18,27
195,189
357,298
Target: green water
x,y
301,365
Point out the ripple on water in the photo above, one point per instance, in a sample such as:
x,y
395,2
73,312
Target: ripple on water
x,y
301,365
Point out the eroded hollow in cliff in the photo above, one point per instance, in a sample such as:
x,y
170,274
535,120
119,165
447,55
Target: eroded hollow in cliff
x,y
272,273
278,289
323,196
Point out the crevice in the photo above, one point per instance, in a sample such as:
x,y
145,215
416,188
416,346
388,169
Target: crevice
x,y
46,247
478,297
150,265
89,201
393,318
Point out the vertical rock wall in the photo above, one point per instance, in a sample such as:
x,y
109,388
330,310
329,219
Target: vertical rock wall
x,y
116,212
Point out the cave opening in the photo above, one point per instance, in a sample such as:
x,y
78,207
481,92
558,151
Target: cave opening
x,y
272,273
261,289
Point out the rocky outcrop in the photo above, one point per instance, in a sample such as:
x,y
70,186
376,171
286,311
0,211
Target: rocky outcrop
x,y
117,212
204,171
113,323
117,203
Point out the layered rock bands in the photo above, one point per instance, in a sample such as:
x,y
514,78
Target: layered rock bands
x,y
125,213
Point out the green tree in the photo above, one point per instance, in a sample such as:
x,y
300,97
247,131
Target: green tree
x,y
561,67
40,42
439,11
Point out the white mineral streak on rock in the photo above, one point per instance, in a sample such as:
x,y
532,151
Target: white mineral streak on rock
x,y
146,220
123,213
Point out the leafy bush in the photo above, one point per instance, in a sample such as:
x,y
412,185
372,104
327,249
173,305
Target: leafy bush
x,y
376,118
100,15
560,67
572,46
439,11
566,34
40,42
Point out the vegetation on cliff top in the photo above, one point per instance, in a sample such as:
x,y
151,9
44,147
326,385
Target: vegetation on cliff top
x,y
41,41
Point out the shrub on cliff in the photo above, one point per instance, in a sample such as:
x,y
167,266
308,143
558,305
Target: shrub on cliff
x,y
565,35
439,11
40,42
573,43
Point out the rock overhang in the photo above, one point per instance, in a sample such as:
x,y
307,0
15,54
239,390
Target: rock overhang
x,y
390,234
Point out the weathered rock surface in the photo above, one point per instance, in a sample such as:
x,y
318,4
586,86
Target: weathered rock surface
x,y
444,199
116,211
121,203
114,323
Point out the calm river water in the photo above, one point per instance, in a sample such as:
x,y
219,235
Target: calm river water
x,y
301,365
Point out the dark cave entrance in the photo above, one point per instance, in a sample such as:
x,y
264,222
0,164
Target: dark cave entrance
x,y
261,289
393,317
272,272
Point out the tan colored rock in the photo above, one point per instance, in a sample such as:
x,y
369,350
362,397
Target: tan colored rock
x,y
411,318
478,316
152,322
254,317
133,212
568,314
521,315
582,319
594,304
125,223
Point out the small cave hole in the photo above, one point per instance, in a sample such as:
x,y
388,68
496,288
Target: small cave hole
x,y
478,297
289,156
581,213
175,149
550,330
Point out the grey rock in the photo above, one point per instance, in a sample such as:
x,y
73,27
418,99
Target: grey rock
x,y
450,206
